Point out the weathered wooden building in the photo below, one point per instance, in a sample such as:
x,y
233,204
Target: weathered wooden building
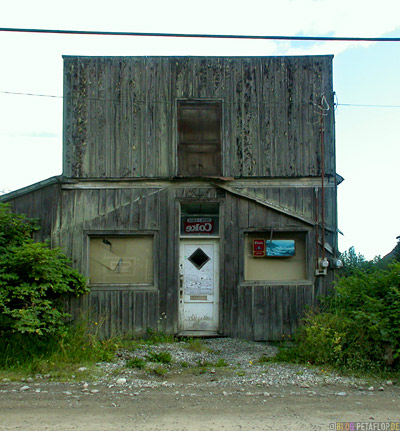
x,y
198,194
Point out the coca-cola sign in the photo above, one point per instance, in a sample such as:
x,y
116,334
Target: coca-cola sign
x,y
198,226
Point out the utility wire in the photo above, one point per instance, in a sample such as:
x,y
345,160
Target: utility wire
x,y
14,93
367,106
203,36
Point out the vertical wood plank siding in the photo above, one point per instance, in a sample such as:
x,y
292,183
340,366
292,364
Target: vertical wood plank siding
x,y
120,114
267,312
253,310
120,164
115,312
40,204
262,310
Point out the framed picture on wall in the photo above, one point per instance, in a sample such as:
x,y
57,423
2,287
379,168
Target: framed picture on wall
x,y
281,248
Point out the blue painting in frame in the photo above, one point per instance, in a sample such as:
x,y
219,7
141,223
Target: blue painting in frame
x,y
281,247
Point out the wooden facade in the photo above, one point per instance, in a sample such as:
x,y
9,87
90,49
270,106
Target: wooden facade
x,y
123,177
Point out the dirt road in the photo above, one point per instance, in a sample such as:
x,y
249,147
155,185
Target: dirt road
x,y
62,406
219,384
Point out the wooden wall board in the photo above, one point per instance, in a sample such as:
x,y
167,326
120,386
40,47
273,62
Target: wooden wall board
x,y
253,310
120,114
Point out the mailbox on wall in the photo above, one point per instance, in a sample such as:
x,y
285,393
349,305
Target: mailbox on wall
x,y
258,247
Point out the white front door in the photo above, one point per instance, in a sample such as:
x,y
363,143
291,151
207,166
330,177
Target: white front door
x,y
198,288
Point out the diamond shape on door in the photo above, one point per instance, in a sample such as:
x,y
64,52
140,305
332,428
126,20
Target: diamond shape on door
x,y
198,258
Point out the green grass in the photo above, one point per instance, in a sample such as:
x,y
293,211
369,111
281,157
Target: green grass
x,y
136,362
288,353
133,342
199,370
204,367
265,360
60,356
221,363
156,337
161,357
196,345
159,370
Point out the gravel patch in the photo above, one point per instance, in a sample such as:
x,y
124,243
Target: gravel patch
x,y
215,365
222,363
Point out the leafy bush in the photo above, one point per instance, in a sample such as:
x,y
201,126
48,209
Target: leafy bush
x,y
359,327
15,229
33,280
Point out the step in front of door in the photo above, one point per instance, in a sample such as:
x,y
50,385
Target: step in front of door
x,y
204,334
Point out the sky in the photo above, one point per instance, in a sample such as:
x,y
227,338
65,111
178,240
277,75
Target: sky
x,y
367,137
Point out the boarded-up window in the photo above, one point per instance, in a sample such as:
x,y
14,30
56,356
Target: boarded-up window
x,y
199,138
272,268
121,260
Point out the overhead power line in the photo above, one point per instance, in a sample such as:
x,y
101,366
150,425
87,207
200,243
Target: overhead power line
x,y
14,93
203,36
368,106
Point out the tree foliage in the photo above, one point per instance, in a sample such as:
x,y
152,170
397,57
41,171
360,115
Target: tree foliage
x,y
359,326
33,279
354,263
